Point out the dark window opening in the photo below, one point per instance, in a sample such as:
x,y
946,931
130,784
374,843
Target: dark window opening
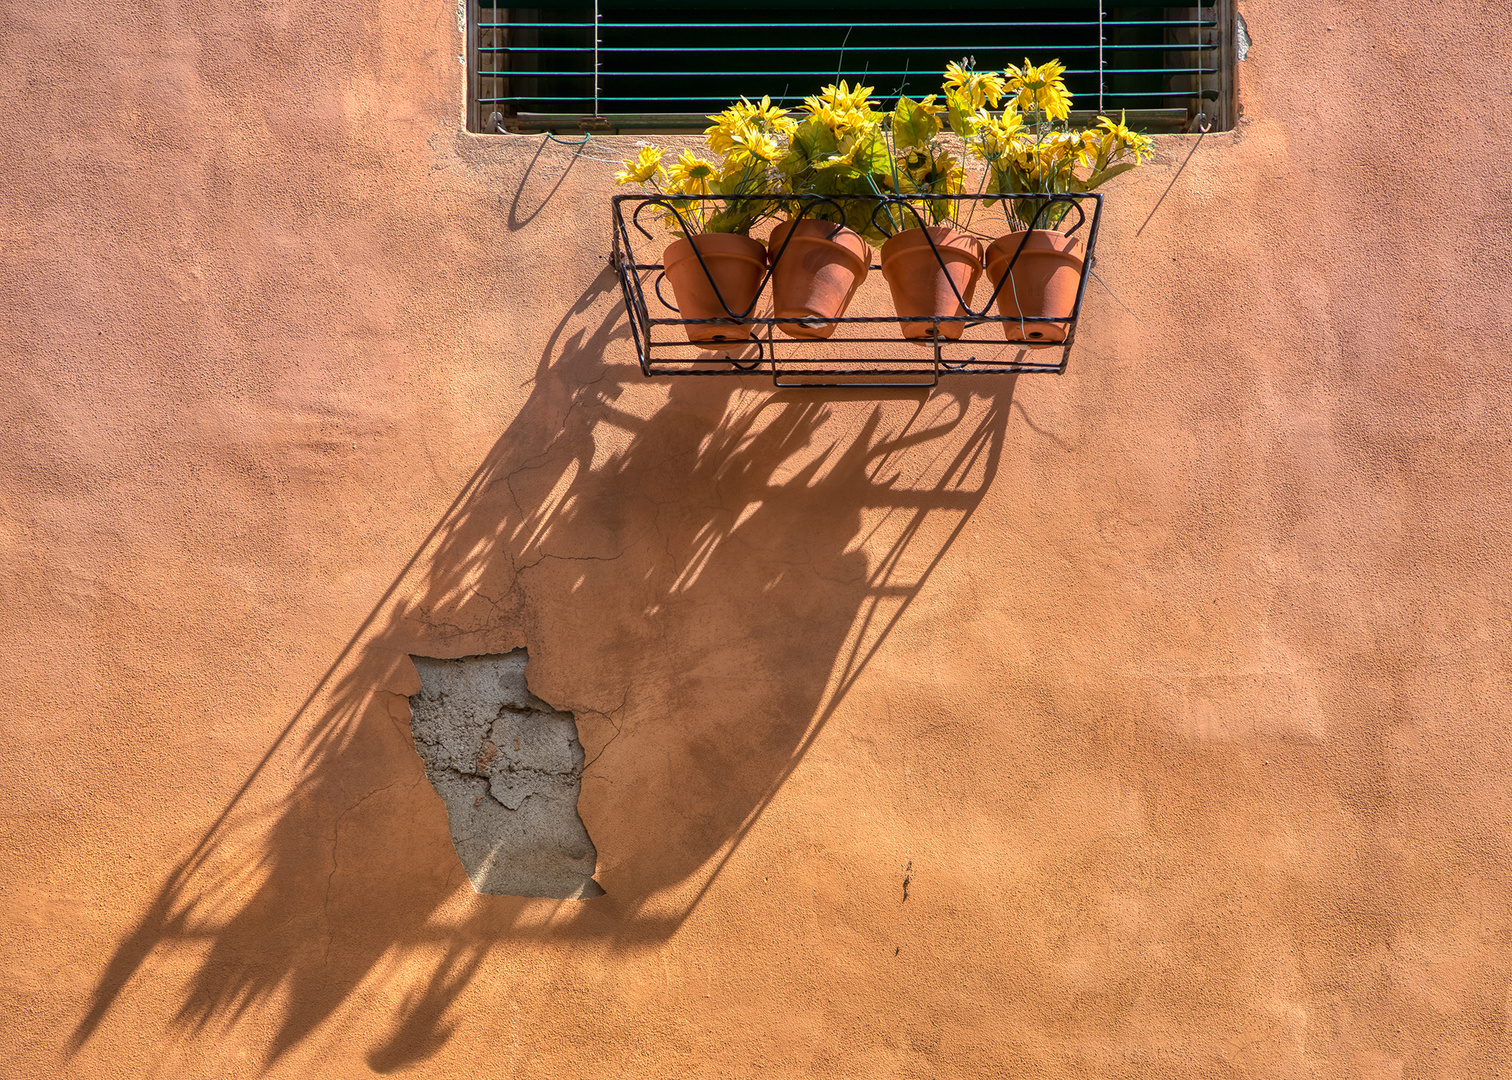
x,y
660,65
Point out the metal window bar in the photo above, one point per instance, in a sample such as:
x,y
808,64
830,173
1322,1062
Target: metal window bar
x,y
596,67
663,346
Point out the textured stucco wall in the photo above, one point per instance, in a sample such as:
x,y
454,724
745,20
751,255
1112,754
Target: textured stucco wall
x,y
1176,686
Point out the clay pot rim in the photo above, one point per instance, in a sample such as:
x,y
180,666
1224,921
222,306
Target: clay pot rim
x,y
1000,252
948,241
743,247
1074,245
863,256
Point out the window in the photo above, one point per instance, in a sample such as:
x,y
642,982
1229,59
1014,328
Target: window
x,y
663,65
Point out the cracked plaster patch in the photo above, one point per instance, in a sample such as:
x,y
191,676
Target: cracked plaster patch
x,y
509,767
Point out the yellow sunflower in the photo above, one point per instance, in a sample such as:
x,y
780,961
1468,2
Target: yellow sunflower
x,y
840,103
749,144
996,132
1040,89
727,127
690,175
647,165
1047,163
1114,140
978,88
766,115
744,116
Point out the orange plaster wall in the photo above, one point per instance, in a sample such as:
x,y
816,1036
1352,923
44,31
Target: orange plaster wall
x,y
1176,686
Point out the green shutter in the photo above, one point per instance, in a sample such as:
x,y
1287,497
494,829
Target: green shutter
x,y
662,64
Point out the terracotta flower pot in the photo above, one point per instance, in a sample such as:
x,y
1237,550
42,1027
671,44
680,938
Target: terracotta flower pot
x,y
922,287
736,264
1043,282
815,276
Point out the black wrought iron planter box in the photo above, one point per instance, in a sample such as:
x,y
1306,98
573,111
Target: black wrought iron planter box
x,y
861,350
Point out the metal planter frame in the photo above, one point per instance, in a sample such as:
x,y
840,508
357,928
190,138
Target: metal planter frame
x,y
662,347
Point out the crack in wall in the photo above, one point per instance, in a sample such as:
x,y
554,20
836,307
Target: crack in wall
x,y
509,768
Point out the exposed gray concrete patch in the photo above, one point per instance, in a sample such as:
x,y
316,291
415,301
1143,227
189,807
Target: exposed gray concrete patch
x,y
509,768
1241,37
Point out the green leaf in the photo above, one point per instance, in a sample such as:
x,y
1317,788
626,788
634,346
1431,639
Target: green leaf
x,y
734,219
824,183
858,216
959,113
911,125
995,185
810,141
872,156
1105,175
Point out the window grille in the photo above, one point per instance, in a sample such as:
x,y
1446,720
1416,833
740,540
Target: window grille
x,y
661,65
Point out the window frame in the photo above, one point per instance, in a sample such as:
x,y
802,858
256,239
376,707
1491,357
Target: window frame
x,y
1220,114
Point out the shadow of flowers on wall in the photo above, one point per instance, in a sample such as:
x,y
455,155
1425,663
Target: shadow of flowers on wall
x,y
702,571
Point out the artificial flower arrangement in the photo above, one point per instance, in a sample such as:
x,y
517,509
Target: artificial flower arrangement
x,y
842,175
716,270
1030,148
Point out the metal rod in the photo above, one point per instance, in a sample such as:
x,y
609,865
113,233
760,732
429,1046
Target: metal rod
x,y
1101,41
700,120
683,49
724,99
813,366
695,74
835,26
